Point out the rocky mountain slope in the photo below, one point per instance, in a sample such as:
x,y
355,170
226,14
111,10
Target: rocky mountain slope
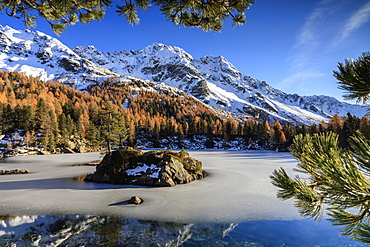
x,y
212,80
40,55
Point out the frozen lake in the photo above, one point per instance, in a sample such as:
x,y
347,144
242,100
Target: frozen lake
x,y
235,205
237,189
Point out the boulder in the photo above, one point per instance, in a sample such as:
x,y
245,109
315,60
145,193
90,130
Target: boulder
x,y
135,200
154,168
173,172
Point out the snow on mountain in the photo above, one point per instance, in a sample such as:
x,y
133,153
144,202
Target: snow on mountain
x,y
38,54
216,82
212,80
333,106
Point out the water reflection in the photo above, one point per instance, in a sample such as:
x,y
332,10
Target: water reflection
x,y
83,230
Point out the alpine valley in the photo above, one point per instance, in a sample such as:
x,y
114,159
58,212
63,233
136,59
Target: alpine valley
x,y
211,80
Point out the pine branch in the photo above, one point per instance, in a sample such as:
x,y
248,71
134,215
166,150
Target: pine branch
x,y
339,178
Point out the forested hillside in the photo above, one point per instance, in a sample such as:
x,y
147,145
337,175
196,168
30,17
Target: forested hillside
x,y
212,80
56,117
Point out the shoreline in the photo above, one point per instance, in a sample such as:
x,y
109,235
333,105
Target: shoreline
x,y
237,189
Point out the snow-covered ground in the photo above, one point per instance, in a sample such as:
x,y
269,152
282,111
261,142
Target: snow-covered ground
x,y
237,189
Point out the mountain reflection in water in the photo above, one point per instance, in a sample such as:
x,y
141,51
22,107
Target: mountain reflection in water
x,y
83,230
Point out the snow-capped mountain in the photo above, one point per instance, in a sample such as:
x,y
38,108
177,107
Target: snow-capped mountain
x,y
40,55
216,82
333,106
212,80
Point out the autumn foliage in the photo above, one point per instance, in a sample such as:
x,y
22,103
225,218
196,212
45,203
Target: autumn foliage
x,y
56,116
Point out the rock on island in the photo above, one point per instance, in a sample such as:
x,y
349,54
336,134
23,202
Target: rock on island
x,y
152,168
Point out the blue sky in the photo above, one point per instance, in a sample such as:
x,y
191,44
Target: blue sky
x,y
292,45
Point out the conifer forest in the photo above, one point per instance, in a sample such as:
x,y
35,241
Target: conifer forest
x,y
55,117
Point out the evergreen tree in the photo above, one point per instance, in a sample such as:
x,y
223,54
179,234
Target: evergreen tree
x,y
131,133
208,15
69,109
228,127
66,128
337,177
46,130
79,128
7,119
62,121
111,125
354,78
93,135
108,228
70,126
262,133
365,127
27,118
350,126
247,130
16,117
51,142
40,112
53,123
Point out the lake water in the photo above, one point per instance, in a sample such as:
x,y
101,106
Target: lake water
x,y
235,206
82,230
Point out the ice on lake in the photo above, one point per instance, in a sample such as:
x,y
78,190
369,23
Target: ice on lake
x,y
235,205
237,189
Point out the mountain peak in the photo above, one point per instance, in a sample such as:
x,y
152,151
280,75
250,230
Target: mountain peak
x,y
41,55
212,80
5,28
217,63
166,52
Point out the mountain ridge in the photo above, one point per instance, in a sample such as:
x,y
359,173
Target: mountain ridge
x,y
212,80
216,82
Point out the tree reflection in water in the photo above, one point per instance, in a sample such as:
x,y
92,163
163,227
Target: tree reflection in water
x,y
78,230
108,229
83,230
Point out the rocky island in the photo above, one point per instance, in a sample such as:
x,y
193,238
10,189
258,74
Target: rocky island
x,y
152,168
